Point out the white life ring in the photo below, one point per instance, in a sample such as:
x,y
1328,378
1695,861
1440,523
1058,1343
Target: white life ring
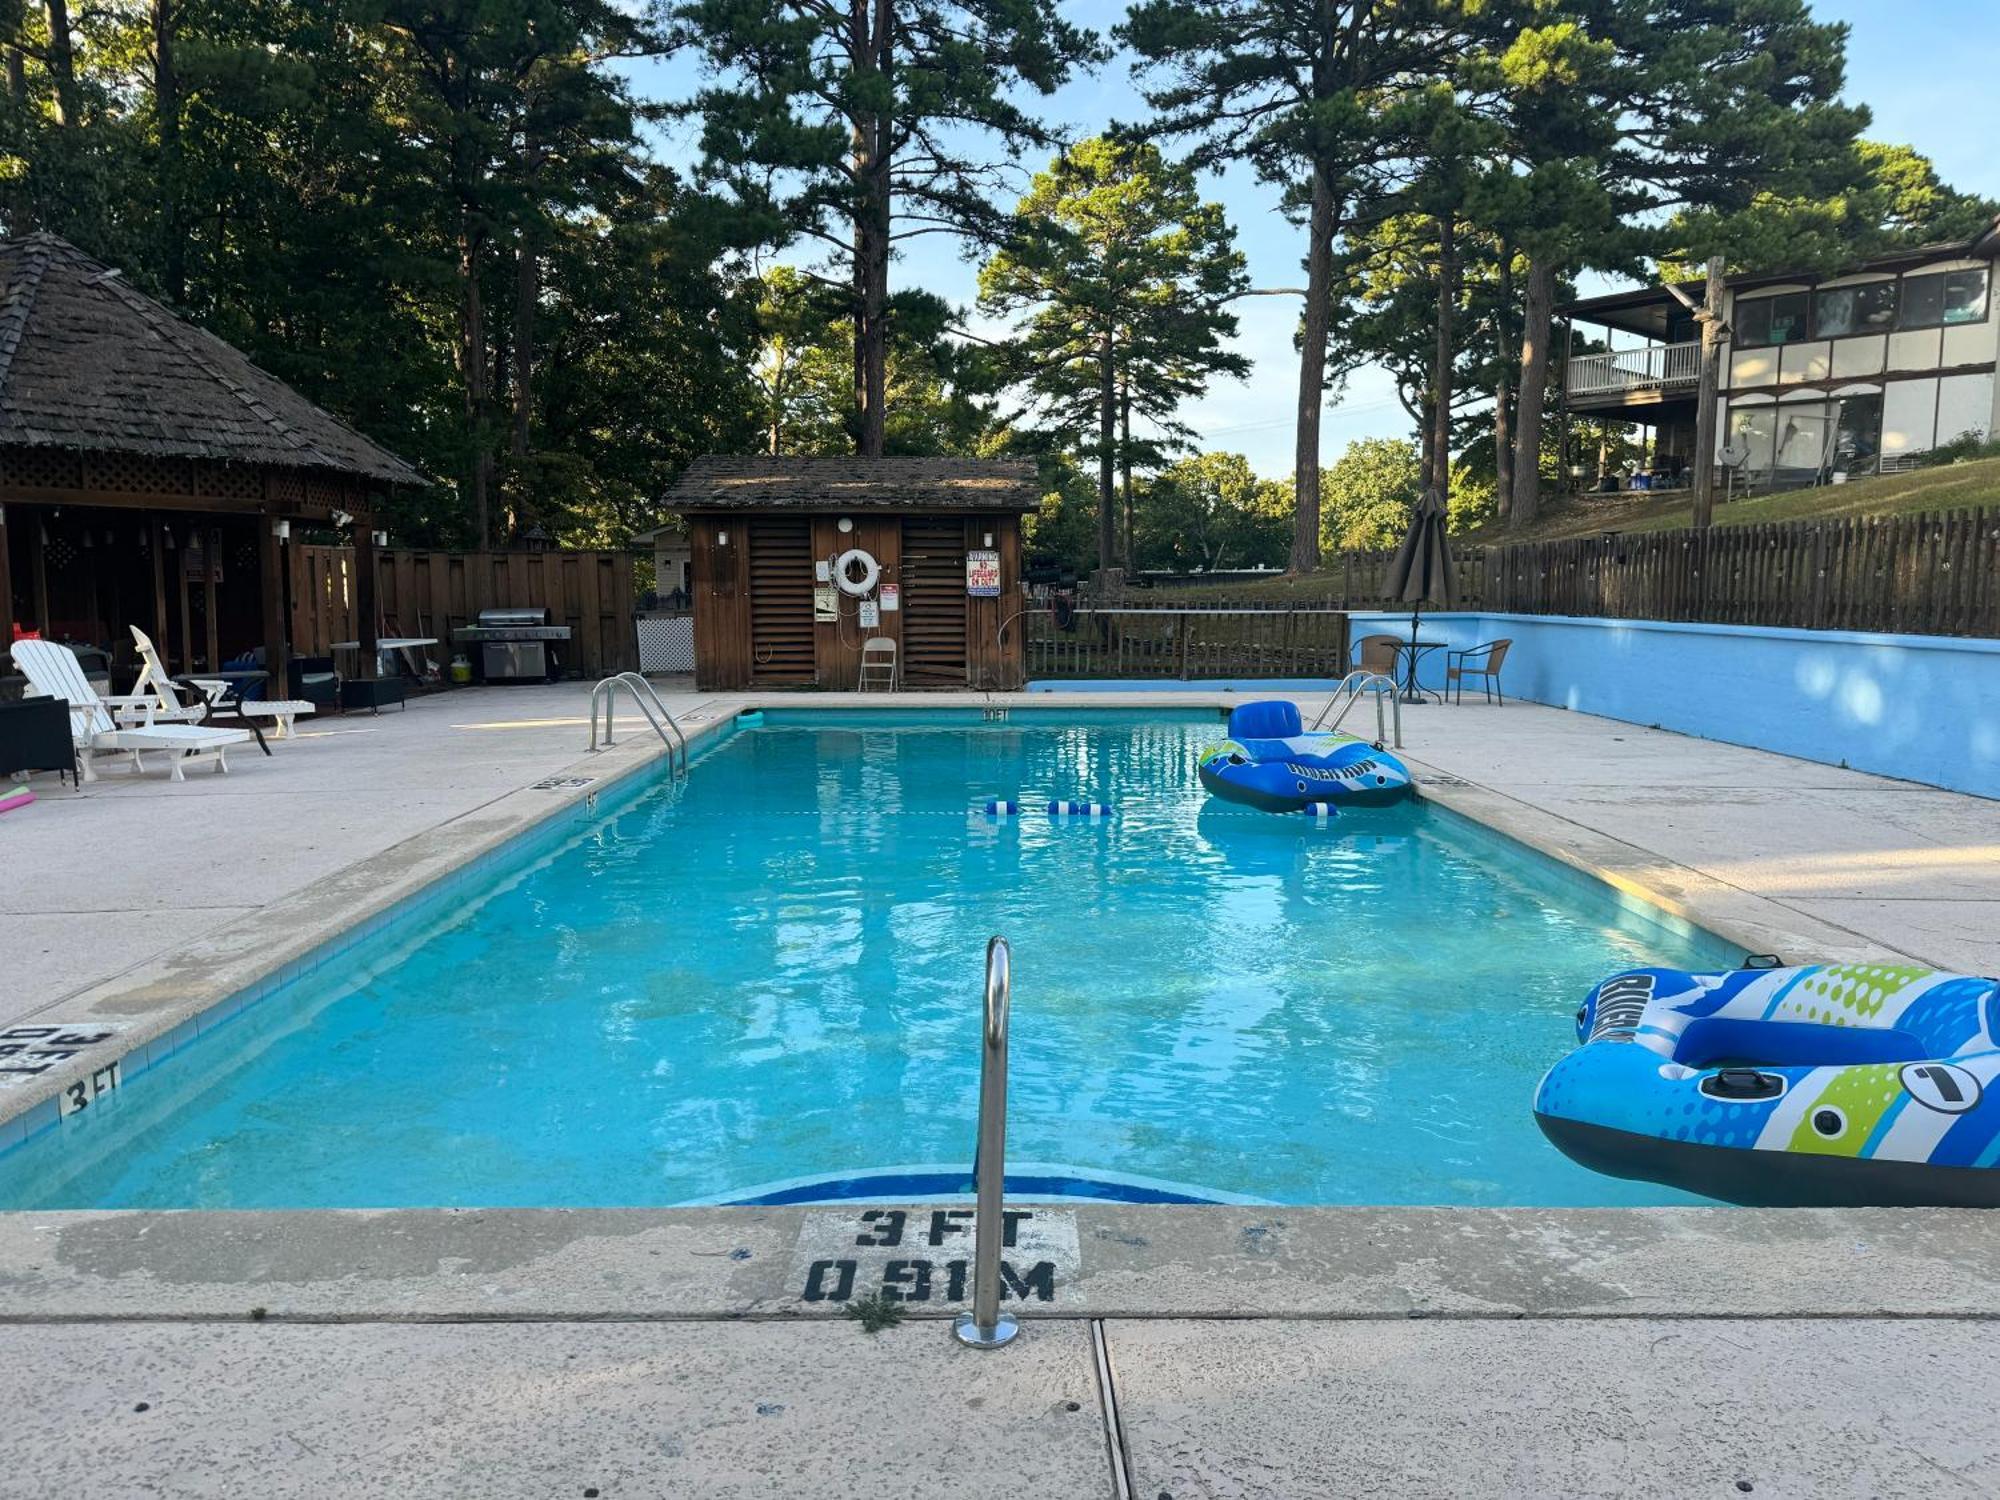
x,y
871,573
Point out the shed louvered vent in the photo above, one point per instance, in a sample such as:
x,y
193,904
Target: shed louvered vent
x,y
781,601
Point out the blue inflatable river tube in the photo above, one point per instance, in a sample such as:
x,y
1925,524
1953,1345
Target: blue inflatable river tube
x,y
1830,1085
1269,762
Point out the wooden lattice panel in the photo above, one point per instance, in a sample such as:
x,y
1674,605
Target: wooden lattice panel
x,y
330,490
288,485
134,474
40,469
229,481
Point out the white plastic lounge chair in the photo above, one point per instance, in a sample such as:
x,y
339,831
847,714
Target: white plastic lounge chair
x,y
154,678
54,672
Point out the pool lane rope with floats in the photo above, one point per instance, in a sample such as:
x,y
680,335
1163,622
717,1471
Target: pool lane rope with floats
x,y
1270,763
1005,807
1832,1085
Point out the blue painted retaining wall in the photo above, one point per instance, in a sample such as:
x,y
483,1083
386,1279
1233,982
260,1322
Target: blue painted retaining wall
x,y
1922,707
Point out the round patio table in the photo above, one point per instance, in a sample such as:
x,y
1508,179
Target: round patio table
x,y
1416,651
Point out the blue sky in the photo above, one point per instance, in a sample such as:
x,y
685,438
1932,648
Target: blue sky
x,y
1924,67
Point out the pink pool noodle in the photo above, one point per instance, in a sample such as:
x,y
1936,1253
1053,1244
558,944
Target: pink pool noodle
x,y
11,800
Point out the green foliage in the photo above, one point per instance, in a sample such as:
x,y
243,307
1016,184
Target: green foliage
x,y
1210,513
1881,198
1966,447
874,1312
1366,496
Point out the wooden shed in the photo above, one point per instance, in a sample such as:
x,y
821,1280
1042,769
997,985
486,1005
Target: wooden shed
x,y
150,475
798,561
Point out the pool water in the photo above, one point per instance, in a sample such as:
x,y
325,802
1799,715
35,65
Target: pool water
x,y
772,971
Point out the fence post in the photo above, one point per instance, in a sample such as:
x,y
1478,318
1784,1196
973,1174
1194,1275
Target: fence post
x,y
1181,630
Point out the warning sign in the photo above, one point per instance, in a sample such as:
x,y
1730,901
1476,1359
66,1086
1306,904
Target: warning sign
x,y
982,574
924,1255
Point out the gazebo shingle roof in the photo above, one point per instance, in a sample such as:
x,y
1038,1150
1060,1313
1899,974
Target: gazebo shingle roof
x,y
89,363
766,483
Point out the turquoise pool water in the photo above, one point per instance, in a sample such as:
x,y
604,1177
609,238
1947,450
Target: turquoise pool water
x,y
771,971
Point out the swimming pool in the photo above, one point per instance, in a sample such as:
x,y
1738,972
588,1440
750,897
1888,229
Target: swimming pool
x,y
769,973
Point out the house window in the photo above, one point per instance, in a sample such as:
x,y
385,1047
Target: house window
x,y
1772,320
1752,434
1844,310
1943,297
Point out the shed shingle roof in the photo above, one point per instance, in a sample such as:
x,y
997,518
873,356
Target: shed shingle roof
x,y
965,484
87,362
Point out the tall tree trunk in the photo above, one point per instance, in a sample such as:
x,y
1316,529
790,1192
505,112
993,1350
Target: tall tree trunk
x,y
871,44
1312,376
1107,450
1535,328
167,112
1125,465
17,76
1503,388
474,376
1441,365
62,65
527,292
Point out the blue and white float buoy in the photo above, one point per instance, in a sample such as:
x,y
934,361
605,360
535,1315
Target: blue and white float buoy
x,y
1061,809
1320,812
1000,807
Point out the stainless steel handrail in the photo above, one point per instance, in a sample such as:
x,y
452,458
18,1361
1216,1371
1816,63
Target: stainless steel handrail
x,y
985,1326
1350,688
662,720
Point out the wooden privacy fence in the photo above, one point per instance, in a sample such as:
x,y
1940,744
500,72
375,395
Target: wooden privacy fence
x,y
431,593
1166,642
1924,575
1933,574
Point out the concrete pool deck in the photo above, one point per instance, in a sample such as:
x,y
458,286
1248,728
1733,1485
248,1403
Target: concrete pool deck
x,y
1181,1352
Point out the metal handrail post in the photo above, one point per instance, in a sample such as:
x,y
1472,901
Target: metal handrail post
x,y
634,681
985,1326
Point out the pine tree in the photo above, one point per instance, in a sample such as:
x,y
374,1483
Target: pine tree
x,y
1121,276
844,123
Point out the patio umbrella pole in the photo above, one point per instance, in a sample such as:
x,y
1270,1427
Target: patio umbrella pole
x,y
1410,672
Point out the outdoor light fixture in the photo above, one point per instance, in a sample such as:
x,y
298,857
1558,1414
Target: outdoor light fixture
x,y
844,525
381,538
167,533
989,540
281,529
722,539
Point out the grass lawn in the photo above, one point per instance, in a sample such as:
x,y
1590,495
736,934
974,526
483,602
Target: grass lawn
x,y
1959,486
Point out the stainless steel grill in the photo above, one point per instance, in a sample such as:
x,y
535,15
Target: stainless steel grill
x,y
515,645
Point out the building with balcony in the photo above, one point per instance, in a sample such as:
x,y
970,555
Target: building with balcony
x,y
1823,377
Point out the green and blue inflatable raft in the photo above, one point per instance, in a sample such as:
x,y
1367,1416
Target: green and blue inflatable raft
x,y
1825,1084
1270,763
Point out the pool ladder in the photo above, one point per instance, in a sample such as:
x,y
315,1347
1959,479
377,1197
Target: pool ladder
x,y
985,1326
1347,692
649,704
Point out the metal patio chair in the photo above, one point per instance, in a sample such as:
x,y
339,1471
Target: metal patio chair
x,y
1482,661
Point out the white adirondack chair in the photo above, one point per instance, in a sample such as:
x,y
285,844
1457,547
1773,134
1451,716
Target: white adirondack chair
x,y
54,672
154,678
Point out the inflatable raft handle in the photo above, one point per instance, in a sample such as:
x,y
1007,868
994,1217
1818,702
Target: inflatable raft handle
x,y
1762,961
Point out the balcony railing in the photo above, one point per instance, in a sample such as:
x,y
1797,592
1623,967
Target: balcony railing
x,y
1656,367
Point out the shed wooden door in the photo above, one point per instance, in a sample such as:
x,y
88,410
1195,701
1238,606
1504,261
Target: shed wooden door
x,y
781,601
934,602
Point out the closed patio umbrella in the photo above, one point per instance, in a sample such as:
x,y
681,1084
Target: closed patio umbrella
x,y
1421,570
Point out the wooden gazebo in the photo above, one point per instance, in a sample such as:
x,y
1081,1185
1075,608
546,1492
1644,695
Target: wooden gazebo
x,y
149,472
